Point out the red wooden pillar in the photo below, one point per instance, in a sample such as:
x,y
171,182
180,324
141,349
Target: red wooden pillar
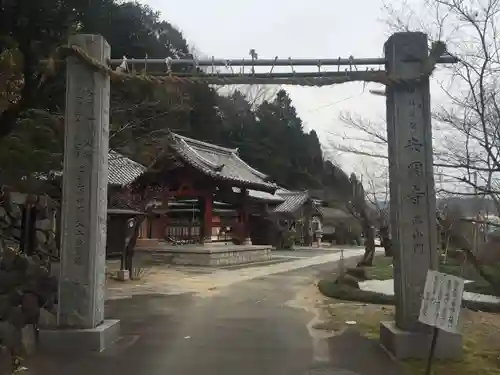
x,y
206,204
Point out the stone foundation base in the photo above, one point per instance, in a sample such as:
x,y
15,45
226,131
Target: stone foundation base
x,y
403,344
221,258
247,241
77,340
213,254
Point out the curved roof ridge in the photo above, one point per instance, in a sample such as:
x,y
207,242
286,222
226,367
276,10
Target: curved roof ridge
x,y
218,162
250,168
210,163
293,193
205,144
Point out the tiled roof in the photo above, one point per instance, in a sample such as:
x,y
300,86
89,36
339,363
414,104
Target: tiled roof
x,y
122,170
334,213
219,163
262,195
293,201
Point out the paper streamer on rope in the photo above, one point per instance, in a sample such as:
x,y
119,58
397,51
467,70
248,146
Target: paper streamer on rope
x,y
121,75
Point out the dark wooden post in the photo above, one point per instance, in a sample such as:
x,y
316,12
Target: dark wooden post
x,y
150,220
243,217
307,223
206,206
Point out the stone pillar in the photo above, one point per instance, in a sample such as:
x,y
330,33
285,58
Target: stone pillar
x,y
413,200
84,205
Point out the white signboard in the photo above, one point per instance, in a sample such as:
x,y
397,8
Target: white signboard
x,y
441,301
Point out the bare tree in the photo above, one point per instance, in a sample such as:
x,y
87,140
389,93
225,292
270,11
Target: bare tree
x,y
376,180
352,197
466,124
470,150
370,141
452,227
254,94
359,208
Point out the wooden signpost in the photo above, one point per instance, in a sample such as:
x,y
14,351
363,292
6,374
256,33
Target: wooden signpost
x,y
440,307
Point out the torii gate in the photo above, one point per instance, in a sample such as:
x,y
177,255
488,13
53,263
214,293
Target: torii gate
x,y
408,66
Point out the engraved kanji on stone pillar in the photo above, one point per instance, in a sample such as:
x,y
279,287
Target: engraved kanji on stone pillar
x,y
412,194
85,177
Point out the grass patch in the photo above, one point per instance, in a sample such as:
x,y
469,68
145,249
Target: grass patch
x,y
481,287
366,316
343,292
330,288
479,327
480,331
382,270
481,348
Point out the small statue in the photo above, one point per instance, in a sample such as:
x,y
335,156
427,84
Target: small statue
x,y
288,236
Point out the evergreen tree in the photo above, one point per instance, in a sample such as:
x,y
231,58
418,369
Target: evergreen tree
x,y
270,137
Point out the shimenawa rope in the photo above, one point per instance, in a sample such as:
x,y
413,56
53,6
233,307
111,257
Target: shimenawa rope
x,y
437,50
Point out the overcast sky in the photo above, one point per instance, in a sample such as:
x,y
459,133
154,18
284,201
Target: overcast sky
x,y
300,29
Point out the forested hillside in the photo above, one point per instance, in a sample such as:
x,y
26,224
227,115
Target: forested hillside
x,y
270,135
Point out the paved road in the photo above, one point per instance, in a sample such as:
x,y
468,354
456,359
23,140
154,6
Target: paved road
x,y
246,328
251,327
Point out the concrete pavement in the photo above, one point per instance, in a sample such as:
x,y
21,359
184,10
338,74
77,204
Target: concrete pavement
x,y
250,321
